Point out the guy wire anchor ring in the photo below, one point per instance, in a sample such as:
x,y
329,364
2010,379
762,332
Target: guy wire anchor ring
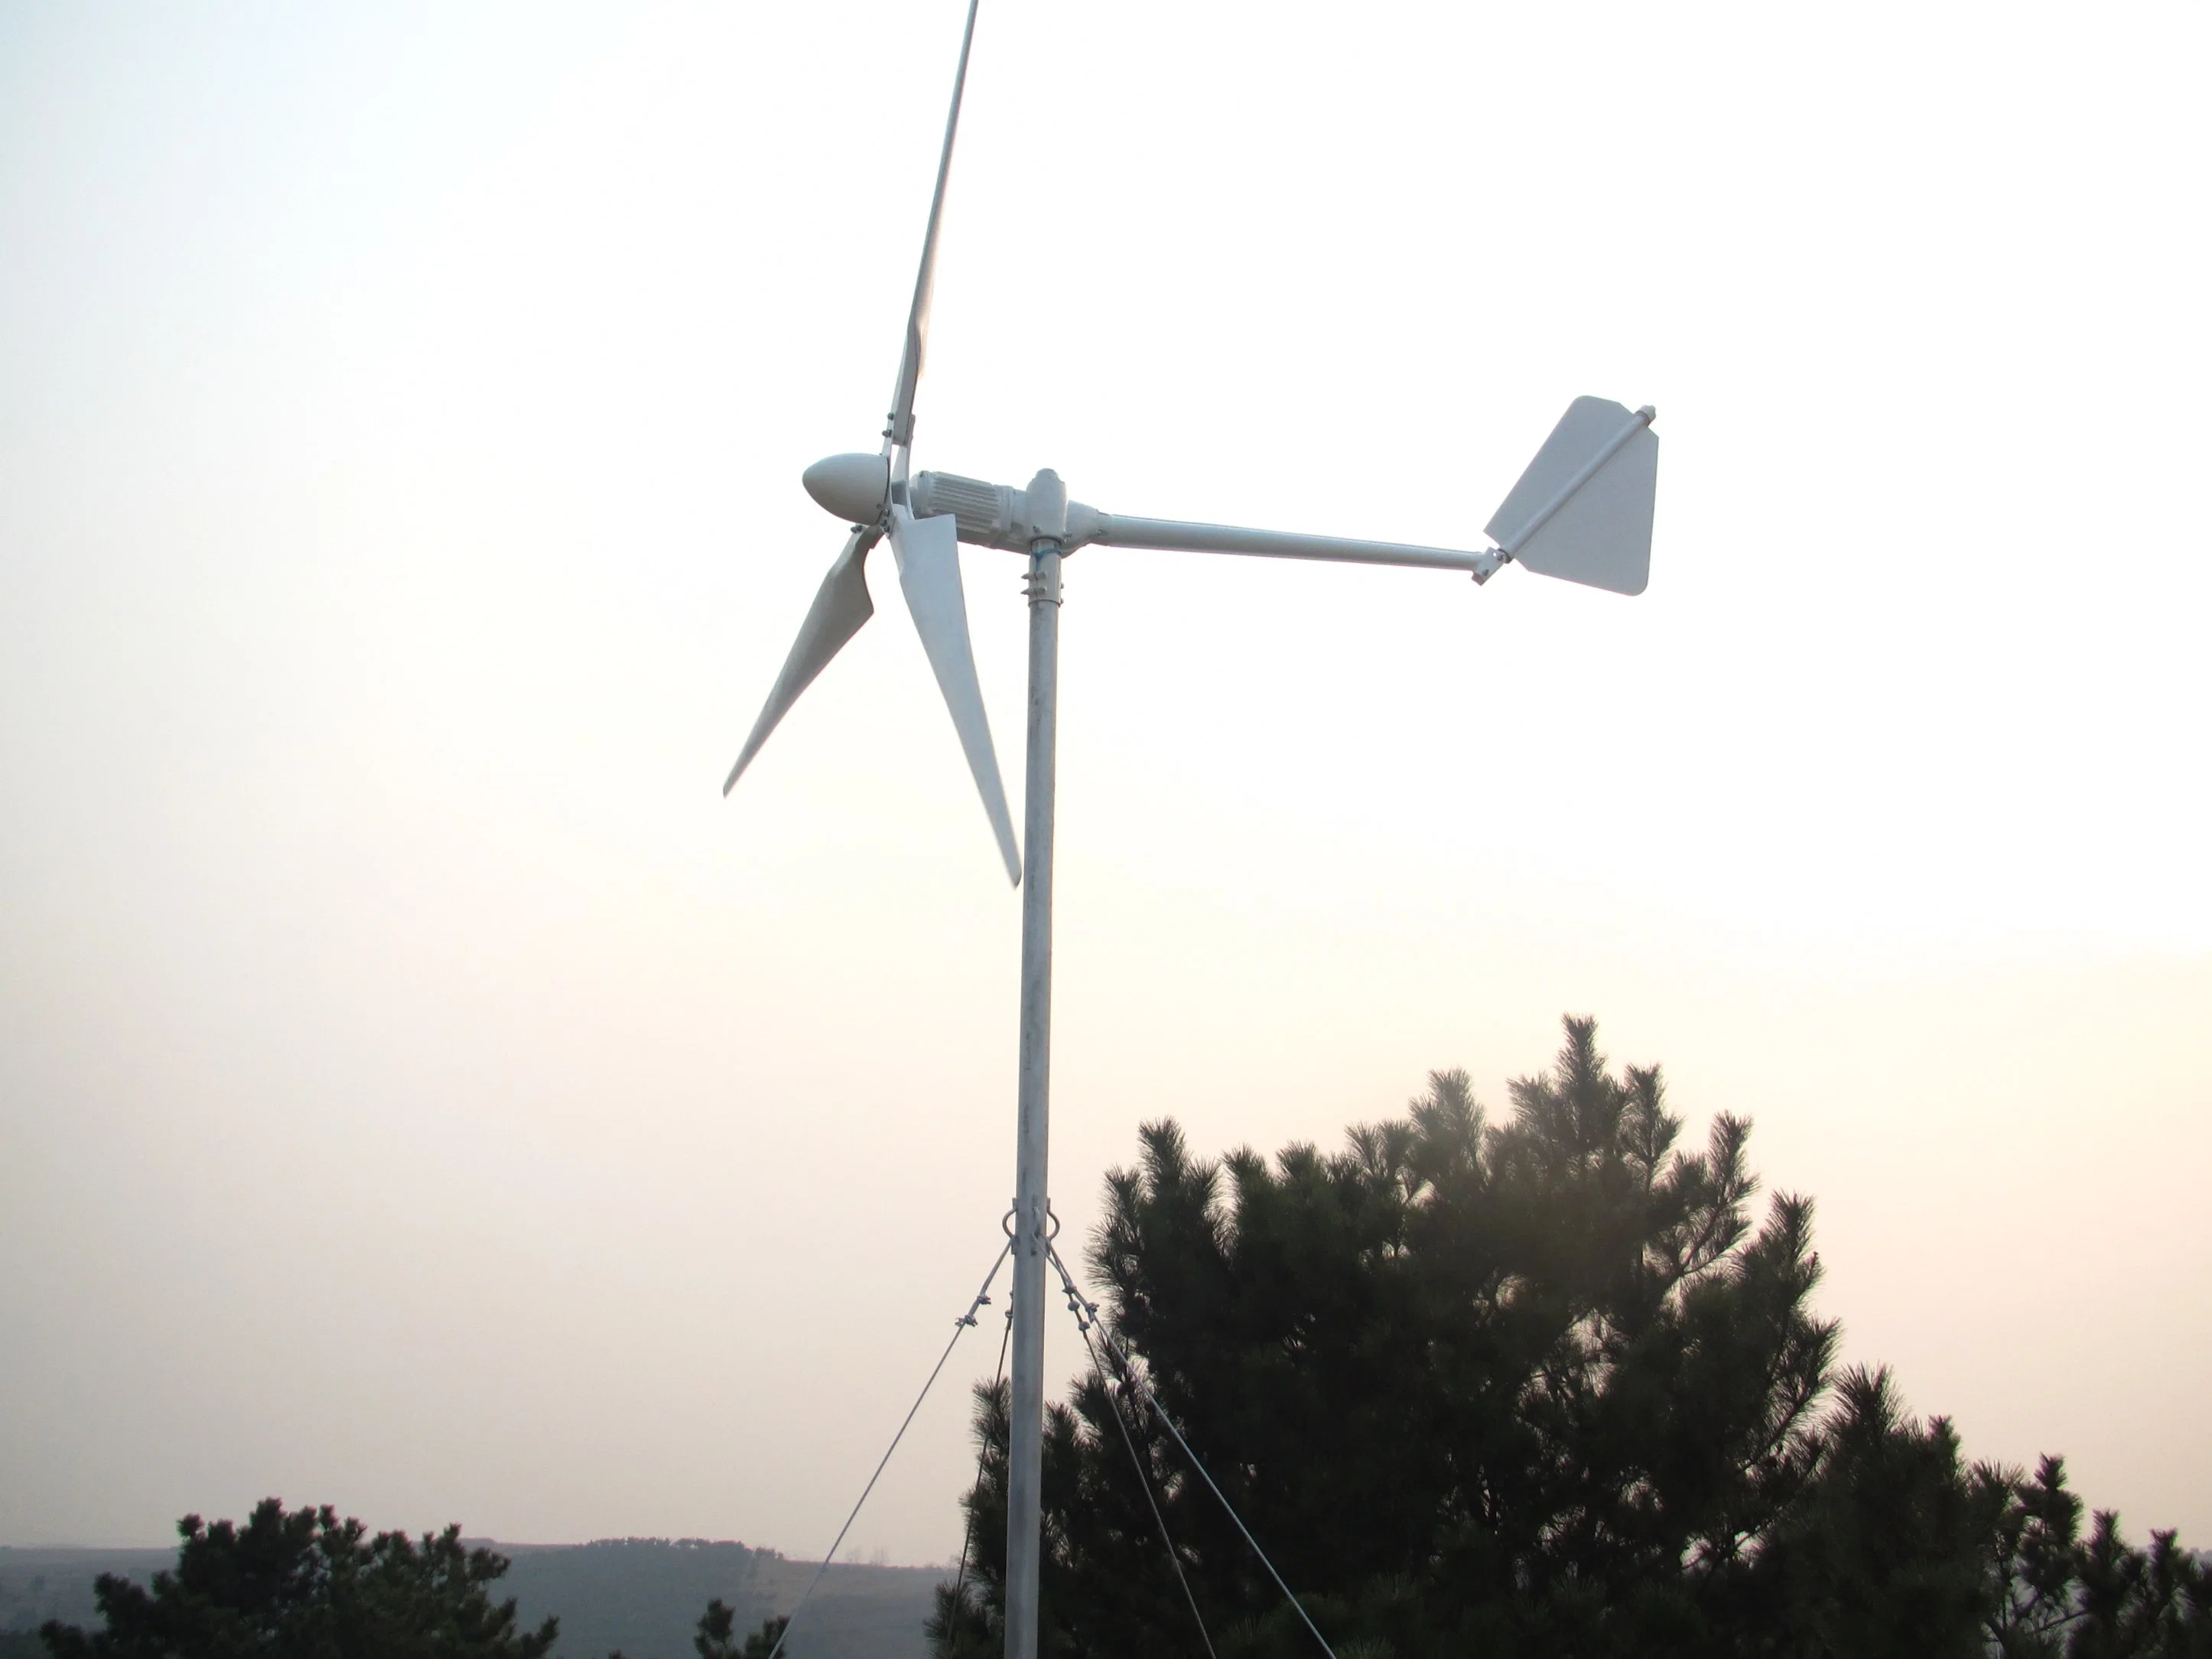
x,y
1007,1224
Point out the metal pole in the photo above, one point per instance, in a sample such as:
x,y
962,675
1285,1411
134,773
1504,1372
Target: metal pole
x,y
1025,1448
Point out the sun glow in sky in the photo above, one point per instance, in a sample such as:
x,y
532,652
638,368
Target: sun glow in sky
x,y
420,1091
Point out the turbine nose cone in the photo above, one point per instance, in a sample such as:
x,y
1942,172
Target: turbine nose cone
x,y
853,487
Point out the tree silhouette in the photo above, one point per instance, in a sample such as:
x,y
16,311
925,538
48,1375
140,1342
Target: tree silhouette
x,y
717,1637
1538,1387
306,1585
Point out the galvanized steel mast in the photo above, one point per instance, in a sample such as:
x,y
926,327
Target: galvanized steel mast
x,y
1033,1139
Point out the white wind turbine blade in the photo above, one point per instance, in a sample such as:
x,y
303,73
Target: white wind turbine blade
x,y
928,554
899,434
839,607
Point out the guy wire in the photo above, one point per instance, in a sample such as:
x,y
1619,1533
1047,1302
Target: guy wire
x,y
967,1538
958,1326
1136,1385
1085,1313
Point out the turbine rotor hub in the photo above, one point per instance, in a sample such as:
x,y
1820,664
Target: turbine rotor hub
x,y
853,487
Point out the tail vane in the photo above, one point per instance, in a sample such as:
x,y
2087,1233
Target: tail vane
x,y
1582,510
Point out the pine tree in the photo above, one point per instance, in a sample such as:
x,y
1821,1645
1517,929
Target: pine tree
x,y
1538,1387
717,1637
306,1585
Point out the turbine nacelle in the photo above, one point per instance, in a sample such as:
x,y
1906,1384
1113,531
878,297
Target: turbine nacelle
x,y
857,489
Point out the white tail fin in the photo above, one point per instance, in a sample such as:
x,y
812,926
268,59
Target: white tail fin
x,y
1582,510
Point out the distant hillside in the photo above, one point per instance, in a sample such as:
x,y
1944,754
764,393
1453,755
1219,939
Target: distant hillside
x,y
36,1585
643,1595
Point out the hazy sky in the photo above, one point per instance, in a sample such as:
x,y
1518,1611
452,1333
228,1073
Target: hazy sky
x,y
420,1091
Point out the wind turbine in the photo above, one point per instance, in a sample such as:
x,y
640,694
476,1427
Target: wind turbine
x,y
1581,510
